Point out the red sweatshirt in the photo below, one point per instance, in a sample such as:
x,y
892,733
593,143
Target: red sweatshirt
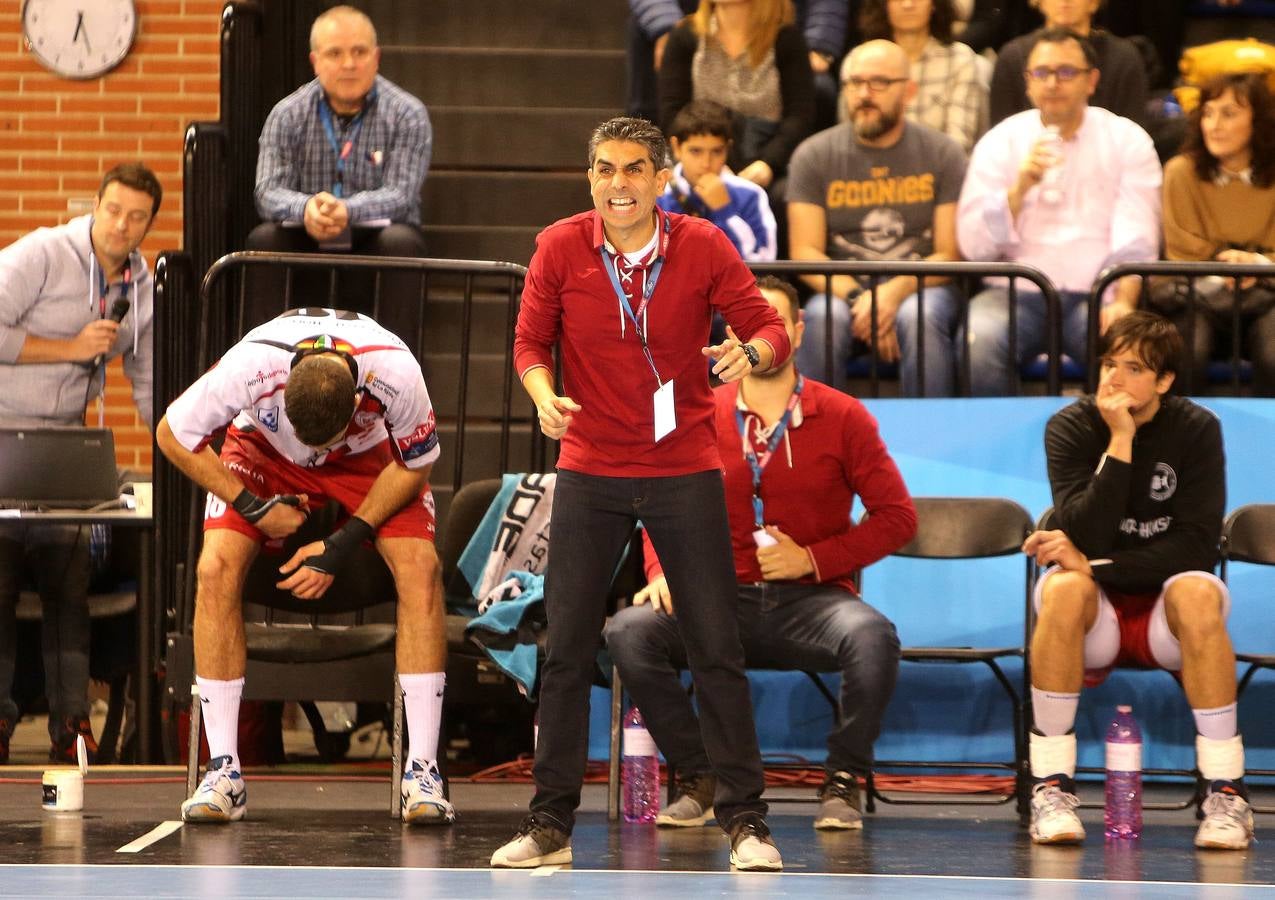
x,y
830,451
568,299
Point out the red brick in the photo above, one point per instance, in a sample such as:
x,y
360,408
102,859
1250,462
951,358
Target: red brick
x,y
150,44
31,104
180,65
47,83
100,143
195,46
60,124
13,144
209,86
143,84
44,203
28,183
100,104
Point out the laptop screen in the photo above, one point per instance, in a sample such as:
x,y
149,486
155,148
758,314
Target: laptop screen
x,y
67,467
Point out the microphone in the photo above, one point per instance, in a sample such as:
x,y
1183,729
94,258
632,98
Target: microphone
x,y
118,310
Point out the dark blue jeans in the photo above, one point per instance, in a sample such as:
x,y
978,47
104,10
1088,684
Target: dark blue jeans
x,y
783,625
593,517
57,556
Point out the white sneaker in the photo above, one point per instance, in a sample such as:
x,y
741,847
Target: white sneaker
x,y
421,796
751,847
1228,820
221,797
1054,819
537,843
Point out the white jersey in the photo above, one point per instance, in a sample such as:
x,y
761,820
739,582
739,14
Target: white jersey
x,y
247,386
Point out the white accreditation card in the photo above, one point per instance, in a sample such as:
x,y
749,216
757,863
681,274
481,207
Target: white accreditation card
x,y
665,416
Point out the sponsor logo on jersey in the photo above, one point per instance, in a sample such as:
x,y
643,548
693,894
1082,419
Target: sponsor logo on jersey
x,y
269,417
421,441
1164,481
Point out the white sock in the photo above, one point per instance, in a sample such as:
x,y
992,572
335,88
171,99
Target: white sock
x,y
423,706
1220,760
1053,755
1053,712
1219,723
219,705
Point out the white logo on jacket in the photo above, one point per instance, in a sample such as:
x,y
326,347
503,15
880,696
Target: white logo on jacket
x,y
1164,481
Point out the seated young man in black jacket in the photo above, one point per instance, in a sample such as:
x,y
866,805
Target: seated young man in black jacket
x,y
1139,488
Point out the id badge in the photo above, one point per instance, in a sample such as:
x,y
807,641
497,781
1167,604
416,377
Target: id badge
x,y
665,416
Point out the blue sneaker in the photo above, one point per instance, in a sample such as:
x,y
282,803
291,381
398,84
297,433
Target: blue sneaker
x,y
221,797
421,796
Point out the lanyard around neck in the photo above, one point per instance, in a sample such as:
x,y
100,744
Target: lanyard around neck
x,y
758,463
610,262
342,151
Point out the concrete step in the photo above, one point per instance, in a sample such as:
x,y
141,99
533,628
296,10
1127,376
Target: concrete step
x,y
490,76
487,242
500,23
484,385
489,326
481,451
514,138
508,199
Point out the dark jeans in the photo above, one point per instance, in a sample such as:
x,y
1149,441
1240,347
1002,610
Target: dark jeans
x,y
396,305
57,556
783,625
593,517
1212,338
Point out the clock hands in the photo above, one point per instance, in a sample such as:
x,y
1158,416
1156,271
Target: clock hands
x,y
79,29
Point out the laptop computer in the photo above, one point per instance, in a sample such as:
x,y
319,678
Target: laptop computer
x,y
57,467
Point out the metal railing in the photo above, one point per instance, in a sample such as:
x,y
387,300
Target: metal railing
x,y
965,272
1190,271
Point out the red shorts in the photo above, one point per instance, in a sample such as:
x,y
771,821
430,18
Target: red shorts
x,y
1133,612
346,480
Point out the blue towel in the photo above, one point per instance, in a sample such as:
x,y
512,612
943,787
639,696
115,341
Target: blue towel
x,y
507,631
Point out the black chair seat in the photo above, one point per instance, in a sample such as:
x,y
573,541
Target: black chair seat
x,y
306,644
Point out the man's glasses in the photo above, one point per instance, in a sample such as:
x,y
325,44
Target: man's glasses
x,y
1062,73
874,85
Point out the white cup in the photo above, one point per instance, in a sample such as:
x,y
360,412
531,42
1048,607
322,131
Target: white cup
x,y
142,497
63,790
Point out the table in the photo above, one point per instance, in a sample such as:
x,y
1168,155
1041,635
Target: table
x,y
127,518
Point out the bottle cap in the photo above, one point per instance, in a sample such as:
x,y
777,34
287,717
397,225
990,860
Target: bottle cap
x,y
1124,709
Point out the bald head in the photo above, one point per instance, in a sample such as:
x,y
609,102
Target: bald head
x,y
883,57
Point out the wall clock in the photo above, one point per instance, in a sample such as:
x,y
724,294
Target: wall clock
x,y
79,38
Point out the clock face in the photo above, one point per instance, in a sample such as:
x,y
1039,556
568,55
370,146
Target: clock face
x,y
79,38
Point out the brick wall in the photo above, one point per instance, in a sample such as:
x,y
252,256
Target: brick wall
x,y
57,137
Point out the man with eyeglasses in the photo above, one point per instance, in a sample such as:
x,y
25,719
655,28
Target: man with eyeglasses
x,y
1066,187
1123,88
340,168
877,188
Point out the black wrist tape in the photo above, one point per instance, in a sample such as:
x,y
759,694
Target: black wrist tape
x,y
338,546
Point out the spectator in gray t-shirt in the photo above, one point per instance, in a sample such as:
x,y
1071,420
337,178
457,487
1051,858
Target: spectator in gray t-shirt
x,y
878,188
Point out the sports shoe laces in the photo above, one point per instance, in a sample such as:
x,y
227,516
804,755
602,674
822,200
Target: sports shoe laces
x,y
1227,805
547,836
836,787
1054,797
751,826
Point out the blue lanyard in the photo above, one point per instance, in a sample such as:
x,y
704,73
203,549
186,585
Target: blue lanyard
x,y
758,464
652,277
342,151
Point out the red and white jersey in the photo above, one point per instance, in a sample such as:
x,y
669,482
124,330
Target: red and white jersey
x,y
247,386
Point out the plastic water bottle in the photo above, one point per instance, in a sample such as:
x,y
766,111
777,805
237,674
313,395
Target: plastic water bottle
x,y
1122,817
640,772
1051,191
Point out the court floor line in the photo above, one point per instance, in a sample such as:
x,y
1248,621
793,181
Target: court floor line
x,y
158,833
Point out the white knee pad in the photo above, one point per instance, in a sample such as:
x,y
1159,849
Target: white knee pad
x,y
1102,641
1165,648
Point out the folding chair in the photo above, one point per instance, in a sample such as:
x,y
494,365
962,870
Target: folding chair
x,y
963,528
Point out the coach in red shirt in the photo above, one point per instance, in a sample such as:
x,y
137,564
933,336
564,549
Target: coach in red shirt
x,y
627,293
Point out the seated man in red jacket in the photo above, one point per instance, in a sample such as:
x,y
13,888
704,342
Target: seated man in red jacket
x,y
796,453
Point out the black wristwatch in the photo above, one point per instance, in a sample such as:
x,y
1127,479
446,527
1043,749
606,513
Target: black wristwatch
x,y
754,358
